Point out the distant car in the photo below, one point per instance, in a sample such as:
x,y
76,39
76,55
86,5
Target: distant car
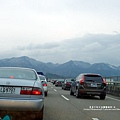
x,y
40,73
21,93
66,84
54,82
59,82
88,84
42,77
44,83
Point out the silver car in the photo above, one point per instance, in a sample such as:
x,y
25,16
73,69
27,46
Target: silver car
x,y
21,94
44,83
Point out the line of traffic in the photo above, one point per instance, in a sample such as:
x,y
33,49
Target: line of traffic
x,y
69,99
93,117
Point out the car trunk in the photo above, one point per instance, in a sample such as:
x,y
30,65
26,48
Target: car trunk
x,y
93,83
13,87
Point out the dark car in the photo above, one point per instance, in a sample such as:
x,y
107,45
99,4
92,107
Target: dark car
x,y
59,82
54,81
66,84
88,84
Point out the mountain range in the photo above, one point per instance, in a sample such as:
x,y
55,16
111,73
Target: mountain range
x,y
69,69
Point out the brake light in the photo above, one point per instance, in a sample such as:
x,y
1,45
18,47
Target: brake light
x,y
67,83
34,91
12,77
104,81
25,92
82,81
44,84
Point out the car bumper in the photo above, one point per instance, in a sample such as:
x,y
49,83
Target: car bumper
x,y
22,115
96,93
67,86
45,89
21,105
58,85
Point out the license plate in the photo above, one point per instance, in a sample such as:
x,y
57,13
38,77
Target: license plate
x,y
93,85
10,90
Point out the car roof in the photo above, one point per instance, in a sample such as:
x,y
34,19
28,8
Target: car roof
x,y
41,75
90,74
16,68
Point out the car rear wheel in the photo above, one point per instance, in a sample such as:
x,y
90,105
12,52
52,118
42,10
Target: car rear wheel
x,y
102,97
77,93
45,93
39,115
71,92
64,88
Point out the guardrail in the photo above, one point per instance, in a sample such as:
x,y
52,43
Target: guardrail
x,y
113,85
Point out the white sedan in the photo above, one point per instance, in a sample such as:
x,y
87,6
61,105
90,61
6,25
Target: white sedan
x,y
21,93
44,83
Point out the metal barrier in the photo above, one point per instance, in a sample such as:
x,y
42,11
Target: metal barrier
x,y
113,85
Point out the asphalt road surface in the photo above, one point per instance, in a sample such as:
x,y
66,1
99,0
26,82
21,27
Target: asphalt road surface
x,y
60,105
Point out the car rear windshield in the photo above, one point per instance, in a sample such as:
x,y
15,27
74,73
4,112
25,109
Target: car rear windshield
x,y
17,73
42,77
93,78
68,80
43,82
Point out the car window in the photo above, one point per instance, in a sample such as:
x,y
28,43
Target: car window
x,y
93,78
43,82
42,77
68,80
17,74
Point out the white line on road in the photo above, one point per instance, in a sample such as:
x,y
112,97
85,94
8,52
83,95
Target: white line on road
x,y
64,97
113,98
55,90
95,118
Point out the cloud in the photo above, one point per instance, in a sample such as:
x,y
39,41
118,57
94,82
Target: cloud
x,y
61,30
55,20
91,48
38,46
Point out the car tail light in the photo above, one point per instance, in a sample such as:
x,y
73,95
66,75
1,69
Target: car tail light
x,y
44,84
67,83
12,77
25,92
104,81
82,81
36,91
30,91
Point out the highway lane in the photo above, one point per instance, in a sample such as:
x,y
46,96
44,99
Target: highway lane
x,y
59,105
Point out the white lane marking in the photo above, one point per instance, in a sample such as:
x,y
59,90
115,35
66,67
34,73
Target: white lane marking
x,y
64,97
95,118
113,98
55,90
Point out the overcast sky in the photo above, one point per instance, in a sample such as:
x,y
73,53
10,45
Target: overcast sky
x,y
61,30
